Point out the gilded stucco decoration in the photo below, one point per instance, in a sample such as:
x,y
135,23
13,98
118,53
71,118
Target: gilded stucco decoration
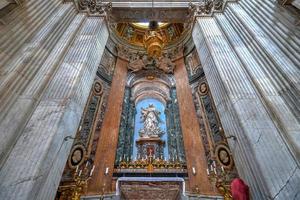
x,y
154,43
134,34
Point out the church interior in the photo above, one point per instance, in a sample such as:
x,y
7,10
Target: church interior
x,y
149,100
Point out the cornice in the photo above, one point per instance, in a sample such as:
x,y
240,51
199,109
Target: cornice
x,y
204,8
93,7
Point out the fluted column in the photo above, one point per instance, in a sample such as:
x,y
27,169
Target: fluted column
x,y
31,46
252,76
35,164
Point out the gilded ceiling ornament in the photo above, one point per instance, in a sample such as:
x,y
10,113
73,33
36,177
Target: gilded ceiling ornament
x,y
153,43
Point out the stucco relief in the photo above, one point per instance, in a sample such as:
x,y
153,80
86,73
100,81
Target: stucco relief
x,y
139,61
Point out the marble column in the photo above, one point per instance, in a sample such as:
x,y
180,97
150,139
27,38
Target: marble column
x,y
108,139
193,145
31,46
45,85
249,56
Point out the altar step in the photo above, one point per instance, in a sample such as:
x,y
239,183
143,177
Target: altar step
x,y
186,197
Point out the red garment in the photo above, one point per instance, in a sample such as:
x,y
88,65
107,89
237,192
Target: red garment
x,y
239,190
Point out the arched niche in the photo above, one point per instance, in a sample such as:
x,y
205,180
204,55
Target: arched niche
x,y
150,84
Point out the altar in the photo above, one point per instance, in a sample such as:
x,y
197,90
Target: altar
x,y
172,188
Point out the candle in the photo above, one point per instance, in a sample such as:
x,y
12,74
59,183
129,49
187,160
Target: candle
x,y
215,171
92,170
106,170
207,170
77,169
194,170
211,168
80,172
222,168
214,163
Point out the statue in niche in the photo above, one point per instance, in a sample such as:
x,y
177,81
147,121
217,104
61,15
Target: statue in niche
x,y
129,33
151,120
165,63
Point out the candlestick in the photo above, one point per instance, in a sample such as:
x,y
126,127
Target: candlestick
x,y
80,172
77,169
207,170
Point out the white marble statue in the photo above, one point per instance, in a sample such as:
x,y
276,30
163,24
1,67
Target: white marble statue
x,y
151,120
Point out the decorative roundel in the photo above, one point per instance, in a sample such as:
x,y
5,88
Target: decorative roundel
x,y
98,88
223,155
76,156
203,89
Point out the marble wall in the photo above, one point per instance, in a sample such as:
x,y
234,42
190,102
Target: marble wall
x,y
250,55
49,56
